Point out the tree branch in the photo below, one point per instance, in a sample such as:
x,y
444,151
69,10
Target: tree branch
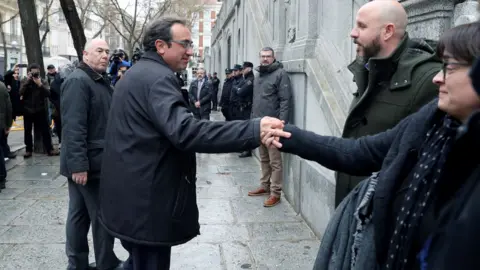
x,y
100,30
44,37
9,19
47,13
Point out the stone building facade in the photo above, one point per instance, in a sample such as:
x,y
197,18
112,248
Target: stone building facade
x,y
311,39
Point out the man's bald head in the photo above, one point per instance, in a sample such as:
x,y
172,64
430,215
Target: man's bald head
x,y
386,12
95,54
380,26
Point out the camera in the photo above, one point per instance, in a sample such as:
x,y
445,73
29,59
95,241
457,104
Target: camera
x,y
36,75
116,56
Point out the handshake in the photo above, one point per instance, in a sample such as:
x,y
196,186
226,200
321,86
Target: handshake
x,y
271,130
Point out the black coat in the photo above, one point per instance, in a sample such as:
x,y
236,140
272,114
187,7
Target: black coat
x,y
85,101
148,189
393,154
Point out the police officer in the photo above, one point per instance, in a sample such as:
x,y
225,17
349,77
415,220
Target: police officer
x,y
244,92
225,99
235,112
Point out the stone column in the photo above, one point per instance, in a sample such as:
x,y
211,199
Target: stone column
x,y
465,12
428,19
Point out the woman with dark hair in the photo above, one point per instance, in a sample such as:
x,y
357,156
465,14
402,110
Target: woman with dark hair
x,y
422,172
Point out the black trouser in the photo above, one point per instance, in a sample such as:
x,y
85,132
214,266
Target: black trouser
x,y
82,212
40,122
146,257
214,100
3,170
226,113
5,147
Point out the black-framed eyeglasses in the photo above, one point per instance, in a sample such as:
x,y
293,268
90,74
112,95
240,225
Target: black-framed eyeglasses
x,y
453,66
187,44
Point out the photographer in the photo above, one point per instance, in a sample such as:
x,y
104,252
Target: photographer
x,y
119,58
34,92
122,68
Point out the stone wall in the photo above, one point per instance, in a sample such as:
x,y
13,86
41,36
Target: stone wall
x,y
311,38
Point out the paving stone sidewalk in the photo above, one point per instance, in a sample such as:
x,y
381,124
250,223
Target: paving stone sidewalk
x,y
237,232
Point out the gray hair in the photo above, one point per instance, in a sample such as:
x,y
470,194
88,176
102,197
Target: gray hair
x,y
268,49
160,29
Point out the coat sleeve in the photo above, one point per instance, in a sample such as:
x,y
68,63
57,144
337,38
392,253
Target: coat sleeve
x,y
75,100
361,156
285,97
246,88
208,97
8,110
171,117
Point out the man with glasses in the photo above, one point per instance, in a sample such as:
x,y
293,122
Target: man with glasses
x,y
148,191
272,96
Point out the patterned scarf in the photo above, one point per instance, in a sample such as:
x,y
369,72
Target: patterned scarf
x,y
423,181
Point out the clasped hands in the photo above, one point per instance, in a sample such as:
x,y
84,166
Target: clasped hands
x,y
271,130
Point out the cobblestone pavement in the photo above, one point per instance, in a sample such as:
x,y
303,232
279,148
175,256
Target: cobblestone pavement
x,y
237,232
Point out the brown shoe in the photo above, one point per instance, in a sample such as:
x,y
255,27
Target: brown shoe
x,y
271,201
27,155
258,192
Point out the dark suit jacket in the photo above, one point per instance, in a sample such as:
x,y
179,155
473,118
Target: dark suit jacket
x,y
205,97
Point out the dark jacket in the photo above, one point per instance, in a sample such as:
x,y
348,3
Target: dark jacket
x,y
234,97
243,91
84,104
455,239
393,88
6,118
17,104
393,154
148,189
34,96
225,98
272,94
205,97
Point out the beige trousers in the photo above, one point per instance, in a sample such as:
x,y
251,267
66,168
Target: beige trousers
x,y
272,170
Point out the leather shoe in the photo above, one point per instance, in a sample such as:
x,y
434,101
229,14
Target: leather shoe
x,y
271,201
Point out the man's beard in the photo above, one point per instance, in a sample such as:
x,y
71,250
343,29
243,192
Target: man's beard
x,y
370,50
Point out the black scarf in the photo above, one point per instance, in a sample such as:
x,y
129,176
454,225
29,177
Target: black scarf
x,y
423,180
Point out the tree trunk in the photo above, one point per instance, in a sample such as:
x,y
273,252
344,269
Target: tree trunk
x,y
33,47
75,25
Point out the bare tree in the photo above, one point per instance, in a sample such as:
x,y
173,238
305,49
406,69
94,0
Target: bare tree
x,y
187,9
45,20
131,26
3,21
86,8
33,46
74,24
